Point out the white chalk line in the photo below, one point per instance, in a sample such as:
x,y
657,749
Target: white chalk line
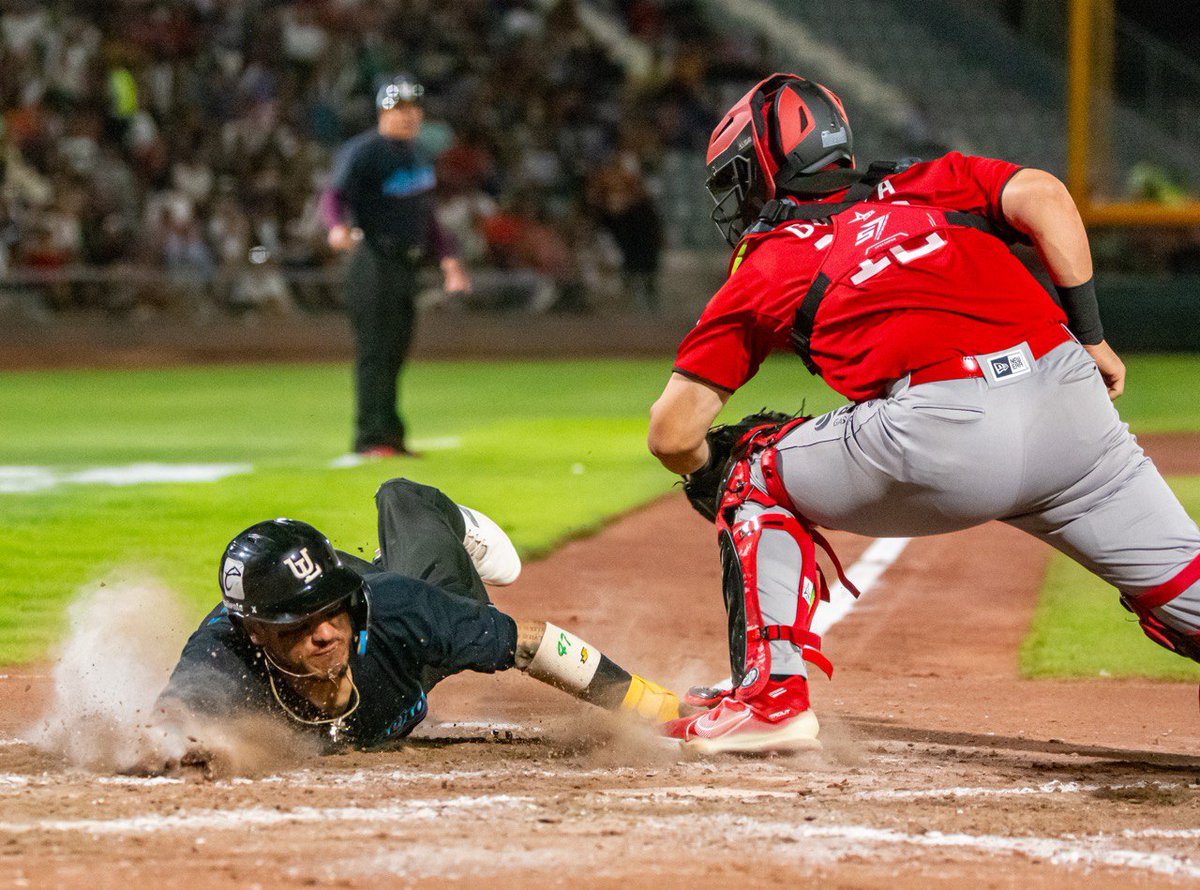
x,y
238,819
1073,851
1086,851
319,778
483,725
1053,787
1164,833
959,792
668,792
26,479
377,777
864,574
139,781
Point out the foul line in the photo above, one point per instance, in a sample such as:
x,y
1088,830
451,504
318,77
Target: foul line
x,y
232,820
864,575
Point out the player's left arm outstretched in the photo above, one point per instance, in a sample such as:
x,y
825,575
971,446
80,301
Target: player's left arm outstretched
x,y
562,660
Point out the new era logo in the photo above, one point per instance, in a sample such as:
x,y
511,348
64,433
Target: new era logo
x,y
1011,365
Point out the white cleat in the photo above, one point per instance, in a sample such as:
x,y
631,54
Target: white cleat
x,y
492,553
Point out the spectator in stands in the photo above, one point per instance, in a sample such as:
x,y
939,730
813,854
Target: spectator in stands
x,y
623,205
140,99
260,287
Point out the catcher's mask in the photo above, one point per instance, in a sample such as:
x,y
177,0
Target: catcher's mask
x,y
283,571
786,134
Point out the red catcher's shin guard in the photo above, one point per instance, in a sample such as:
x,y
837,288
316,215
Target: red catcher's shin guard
x,y
749,636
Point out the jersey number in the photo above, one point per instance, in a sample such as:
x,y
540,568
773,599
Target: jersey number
x,y
869,268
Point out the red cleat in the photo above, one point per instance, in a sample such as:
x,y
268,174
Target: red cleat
x,y
777,719
381,451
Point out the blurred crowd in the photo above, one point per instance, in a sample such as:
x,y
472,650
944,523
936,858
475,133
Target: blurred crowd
x,y
195,136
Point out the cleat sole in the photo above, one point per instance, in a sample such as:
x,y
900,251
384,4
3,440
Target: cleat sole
x,y
798,734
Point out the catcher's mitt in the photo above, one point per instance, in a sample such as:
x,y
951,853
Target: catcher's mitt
x,y
704,487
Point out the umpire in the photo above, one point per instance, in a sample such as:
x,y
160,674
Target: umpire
x,y
380,205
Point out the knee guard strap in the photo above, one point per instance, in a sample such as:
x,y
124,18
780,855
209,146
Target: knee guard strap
x,y
1142,605
1165,592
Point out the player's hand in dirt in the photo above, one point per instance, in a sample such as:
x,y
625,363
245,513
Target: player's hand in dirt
x,y
1112,369
205,761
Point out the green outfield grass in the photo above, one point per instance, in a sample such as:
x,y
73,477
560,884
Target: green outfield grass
x,y
549,449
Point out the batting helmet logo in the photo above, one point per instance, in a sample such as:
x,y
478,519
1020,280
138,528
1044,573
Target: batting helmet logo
x,y
231,579
303,567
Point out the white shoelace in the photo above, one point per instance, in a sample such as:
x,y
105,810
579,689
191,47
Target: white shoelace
x,y
476,545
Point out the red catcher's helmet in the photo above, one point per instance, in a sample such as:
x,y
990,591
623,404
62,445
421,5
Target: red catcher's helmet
x,y
774,139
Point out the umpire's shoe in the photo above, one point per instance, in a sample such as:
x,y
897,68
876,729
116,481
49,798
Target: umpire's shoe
x,y
776,720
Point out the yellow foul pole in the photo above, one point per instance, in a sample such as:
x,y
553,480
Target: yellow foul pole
x,y
1087,55
1079,99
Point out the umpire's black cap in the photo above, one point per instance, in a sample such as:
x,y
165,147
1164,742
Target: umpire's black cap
x,y
403,88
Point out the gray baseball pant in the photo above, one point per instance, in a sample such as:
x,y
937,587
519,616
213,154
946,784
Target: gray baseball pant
x,y
1043,450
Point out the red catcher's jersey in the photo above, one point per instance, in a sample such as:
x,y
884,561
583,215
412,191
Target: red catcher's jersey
x,y
907,289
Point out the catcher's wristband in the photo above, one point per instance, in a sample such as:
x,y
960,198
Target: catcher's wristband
x,y
1083,311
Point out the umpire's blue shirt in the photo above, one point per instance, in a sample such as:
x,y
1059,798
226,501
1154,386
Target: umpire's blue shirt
x,y
387,185
414,627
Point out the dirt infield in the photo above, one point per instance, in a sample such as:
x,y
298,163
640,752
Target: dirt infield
x,y
941,768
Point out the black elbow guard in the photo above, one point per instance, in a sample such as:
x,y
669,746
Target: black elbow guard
x,y
1083,312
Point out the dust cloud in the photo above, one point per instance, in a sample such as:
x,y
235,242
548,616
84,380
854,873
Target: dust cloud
x,y
123,640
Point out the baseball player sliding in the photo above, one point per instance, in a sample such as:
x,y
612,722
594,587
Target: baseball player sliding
x,y
348,649
974,395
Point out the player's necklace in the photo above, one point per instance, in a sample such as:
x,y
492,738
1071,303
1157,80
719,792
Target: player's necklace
x,y
336,727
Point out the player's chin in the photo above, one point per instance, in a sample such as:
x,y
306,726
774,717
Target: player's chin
x,y
331,664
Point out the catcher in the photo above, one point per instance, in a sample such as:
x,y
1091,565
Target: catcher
x,y
974,395
348,649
